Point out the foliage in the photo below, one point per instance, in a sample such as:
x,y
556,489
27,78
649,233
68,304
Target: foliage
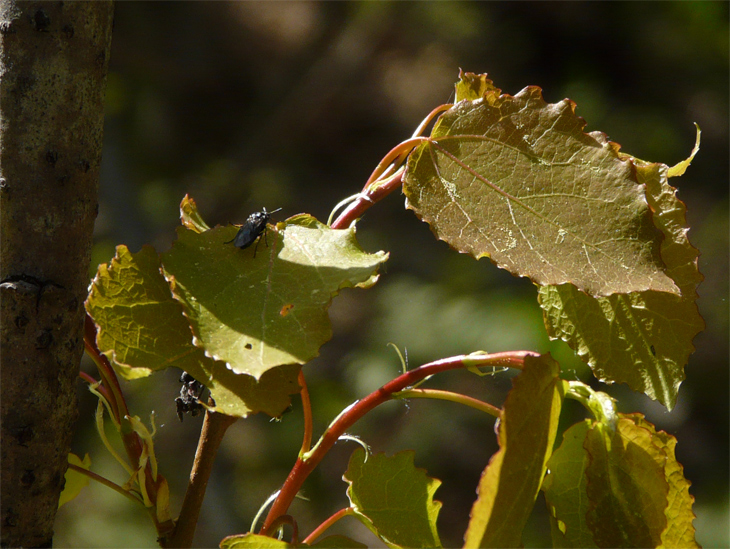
x,y
513,178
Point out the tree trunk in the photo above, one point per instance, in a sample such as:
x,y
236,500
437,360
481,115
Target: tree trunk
x,y
53,64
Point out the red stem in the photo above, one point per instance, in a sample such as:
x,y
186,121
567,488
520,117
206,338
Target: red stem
x,y
306,464
319,530
365,200
307,412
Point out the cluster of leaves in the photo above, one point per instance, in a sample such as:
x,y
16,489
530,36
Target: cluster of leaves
x,y
512,178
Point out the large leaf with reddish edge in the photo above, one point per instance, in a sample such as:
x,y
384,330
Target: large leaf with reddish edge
x,y
394,499
141,329
511,481
518,180
618,486
643,339
259,308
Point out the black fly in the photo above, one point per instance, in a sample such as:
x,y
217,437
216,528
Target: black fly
x,y
189,399
252,229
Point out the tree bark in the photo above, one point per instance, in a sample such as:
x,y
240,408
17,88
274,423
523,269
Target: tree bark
x,y
53,65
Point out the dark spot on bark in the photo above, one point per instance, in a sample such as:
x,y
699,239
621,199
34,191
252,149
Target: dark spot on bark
x,y
51,157
23,435
21,321
84,165
44,340
28,478
248,346
24,84
68,30
11,518
41,21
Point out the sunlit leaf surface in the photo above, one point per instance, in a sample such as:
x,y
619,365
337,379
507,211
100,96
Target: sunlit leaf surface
x,y
141,329
256,309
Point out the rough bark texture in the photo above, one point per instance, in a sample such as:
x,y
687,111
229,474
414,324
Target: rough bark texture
x,y
53,63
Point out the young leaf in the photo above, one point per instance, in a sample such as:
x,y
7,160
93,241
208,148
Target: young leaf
x,y
518,180
618,488
565,490
643,339
190,217
394,499
141,329
471,87
510,483
75,481
255,310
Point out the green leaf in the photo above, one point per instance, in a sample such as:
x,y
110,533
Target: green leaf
x,y
681,167
394,499
511,481
190,217
518,180
471,87
255,313
75,481
679,531
141,329
565,490
253,541
618,487
643,339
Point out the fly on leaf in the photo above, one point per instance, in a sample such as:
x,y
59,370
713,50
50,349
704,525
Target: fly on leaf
x,y
252,229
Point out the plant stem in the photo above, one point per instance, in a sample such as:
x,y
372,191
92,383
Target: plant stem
x,y
214,427
436,394
109,484
305,464
319,530
307,412
367,198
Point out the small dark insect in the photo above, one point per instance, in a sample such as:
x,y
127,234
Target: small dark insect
x,y
252,229
189,399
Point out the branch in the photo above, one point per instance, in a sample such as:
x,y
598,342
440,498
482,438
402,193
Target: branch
x,y
214,427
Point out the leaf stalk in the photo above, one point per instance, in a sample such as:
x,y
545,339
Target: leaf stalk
x,y
306,463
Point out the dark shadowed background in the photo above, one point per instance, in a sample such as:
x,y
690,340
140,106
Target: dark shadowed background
x,y
291,105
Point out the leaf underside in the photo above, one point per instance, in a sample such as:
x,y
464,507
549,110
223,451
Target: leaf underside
x,y
601,233
643,339
516,179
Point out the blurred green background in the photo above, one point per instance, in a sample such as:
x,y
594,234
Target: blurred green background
x,y
278,104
